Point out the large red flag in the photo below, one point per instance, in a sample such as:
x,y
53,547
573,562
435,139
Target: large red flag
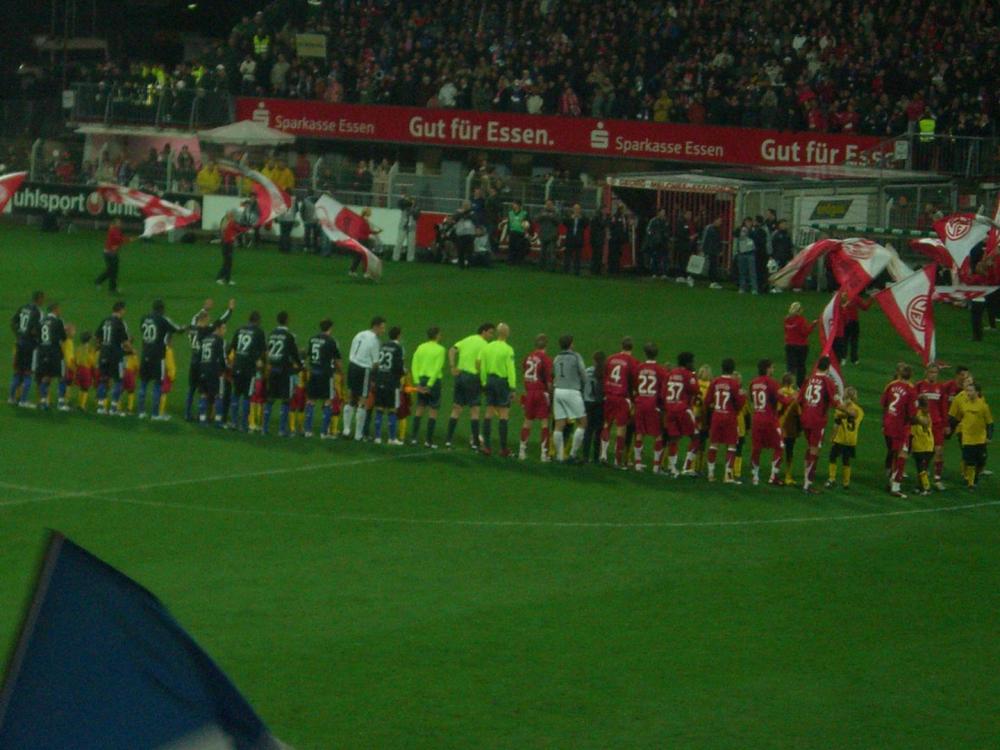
x,y
960,233
348,229
161,216
9,184
909,305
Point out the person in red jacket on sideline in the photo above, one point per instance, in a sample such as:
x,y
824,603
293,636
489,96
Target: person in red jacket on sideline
x,y
797,330
112,244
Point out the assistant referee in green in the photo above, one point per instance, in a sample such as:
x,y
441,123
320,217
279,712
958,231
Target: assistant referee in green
x,y
463,358
427,369
498,374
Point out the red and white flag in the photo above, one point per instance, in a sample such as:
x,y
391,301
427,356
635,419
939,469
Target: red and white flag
x,y
348,229
909,305
9,184
952,294
793,274
960,233
830,326
271,200
856,263
161,216
934,249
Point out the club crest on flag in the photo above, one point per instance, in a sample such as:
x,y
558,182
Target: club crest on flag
x,y
916,313
860,249
957,227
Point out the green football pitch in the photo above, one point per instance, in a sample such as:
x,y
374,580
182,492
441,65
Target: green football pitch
x,y
368,596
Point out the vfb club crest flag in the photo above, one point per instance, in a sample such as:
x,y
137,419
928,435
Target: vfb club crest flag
x,y
909,305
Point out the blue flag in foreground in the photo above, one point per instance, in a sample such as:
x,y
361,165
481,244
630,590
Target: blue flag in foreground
x,y
101,664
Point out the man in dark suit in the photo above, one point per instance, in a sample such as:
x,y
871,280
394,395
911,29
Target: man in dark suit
x,y
599,226
576,226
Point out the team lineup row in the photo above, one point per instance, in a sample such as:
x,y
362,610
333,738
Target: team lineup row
x,y
235,384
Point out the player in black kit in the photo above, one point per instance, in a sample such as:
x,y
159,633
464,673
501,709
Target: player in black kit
x,y
283,363
212,373
111,360
50,361
247,348
25,324
324,362
199,329
155,329
388,381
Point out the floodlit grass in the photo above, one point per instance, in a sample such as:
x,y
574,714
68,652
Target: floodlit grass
x,y
366,596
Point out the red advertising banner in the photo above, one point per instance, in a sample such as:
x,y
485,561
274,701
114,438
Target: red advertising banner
x,y
582,136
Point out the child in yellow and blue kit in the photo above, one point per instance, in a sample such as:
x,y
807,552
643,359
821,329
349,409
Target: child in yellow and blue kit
x,y
845,436
922,445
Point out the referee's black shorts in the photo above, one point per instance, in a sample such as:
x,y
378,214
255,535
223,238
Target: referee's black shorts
x,y
431,399
468,390
497,391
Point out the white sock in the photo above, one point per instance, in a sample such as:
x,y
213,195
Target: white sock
x,y
604,450
359,422
558,438
348,416
637,450
577,442
755,470
672,462
711,470
689,460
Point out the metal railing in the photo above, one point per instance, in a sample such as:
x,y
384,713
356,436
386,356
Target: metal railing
x,y
150,105
960,156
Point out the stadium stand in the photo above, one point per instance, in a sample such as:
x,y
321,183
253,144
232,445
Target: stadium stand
x,y
874,68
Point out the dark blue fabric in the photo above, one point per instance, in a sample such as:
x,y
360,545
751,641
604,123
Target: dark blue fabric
x,y
102,665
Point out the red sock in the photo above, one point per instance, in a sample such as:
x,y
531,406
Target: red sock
x,y
672,448
899,468
730,458
658,445
605,434
619,448
776,462
712,454
526,433
755,456
695,445
938,468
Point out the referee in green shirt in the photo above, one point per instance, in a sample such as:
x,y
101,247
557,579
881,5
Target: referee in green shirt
x,y
427,369
463,359
498,374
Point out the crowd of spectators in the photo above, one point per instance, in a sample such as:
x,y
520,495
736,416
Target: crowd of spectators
x,y
858,66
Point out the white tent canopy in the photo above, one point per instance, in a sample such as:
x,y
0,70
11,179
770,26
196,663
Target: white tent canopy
x,y
245,133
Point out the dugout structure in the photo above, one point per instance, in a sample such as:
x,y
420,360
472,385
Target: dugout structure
x,y
807,198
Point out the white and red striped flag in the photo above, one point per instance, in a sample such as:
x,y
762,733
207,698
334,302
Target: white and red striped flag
x,y
856,263
909,305
962,293
793,274
829,326
348,229
271,200
161,216
9,184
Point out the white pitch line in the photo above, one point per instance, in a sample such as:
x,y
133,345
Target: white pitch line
x,y
260,473
545,524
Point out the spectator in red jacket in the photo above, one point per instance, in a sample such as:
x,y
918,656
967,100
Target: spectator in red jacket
x,y
797,330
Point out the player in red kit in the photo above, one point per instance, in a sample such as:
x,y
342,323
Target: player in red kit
x,y
680,390
537,402
112,245
765,430
619,387
936,394
899,407
724,400
817,395
649,388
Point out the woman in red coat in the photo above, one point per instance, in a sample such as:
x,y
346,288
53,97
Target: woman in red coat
x,y
797,330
